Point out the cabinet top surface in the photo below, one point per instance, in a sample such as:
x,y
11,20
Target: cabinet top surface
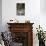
x,y
19,23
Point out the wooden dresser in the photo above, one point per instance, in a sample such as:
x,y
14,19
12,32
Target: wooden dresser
x,y
22,33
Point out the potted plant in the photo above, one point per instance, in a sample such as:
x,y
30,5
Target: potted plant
x,y
41,36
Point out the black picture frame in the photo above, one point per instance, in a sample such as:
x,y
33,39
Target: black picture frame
x,y
20,9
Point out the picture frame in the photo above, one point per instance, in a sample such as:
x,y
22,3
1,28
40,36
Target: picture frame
x,y
20,9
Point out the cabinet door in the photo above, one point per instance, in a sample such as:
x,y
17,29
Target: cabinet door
x,y
24,38
20,38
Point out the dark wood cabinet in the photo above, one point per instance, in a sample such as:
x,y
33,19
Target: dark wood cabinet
x,y
22,33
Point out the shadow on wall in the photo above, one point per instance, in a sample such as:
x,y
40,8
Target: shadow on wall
x,y
0,15
43,6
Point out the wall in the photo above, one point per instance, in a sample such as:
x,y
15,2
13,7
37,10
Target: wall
x,y
32,10
0,15
43,6
32,13
43,14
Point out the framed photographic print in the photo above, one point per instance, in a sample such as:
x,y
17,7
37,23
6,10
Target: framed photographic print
x,y
20,8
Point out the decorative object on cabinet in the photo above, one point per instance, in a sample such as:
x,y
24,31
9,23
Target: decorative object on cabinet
x,y
20,9
27,21
22,33
13,21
